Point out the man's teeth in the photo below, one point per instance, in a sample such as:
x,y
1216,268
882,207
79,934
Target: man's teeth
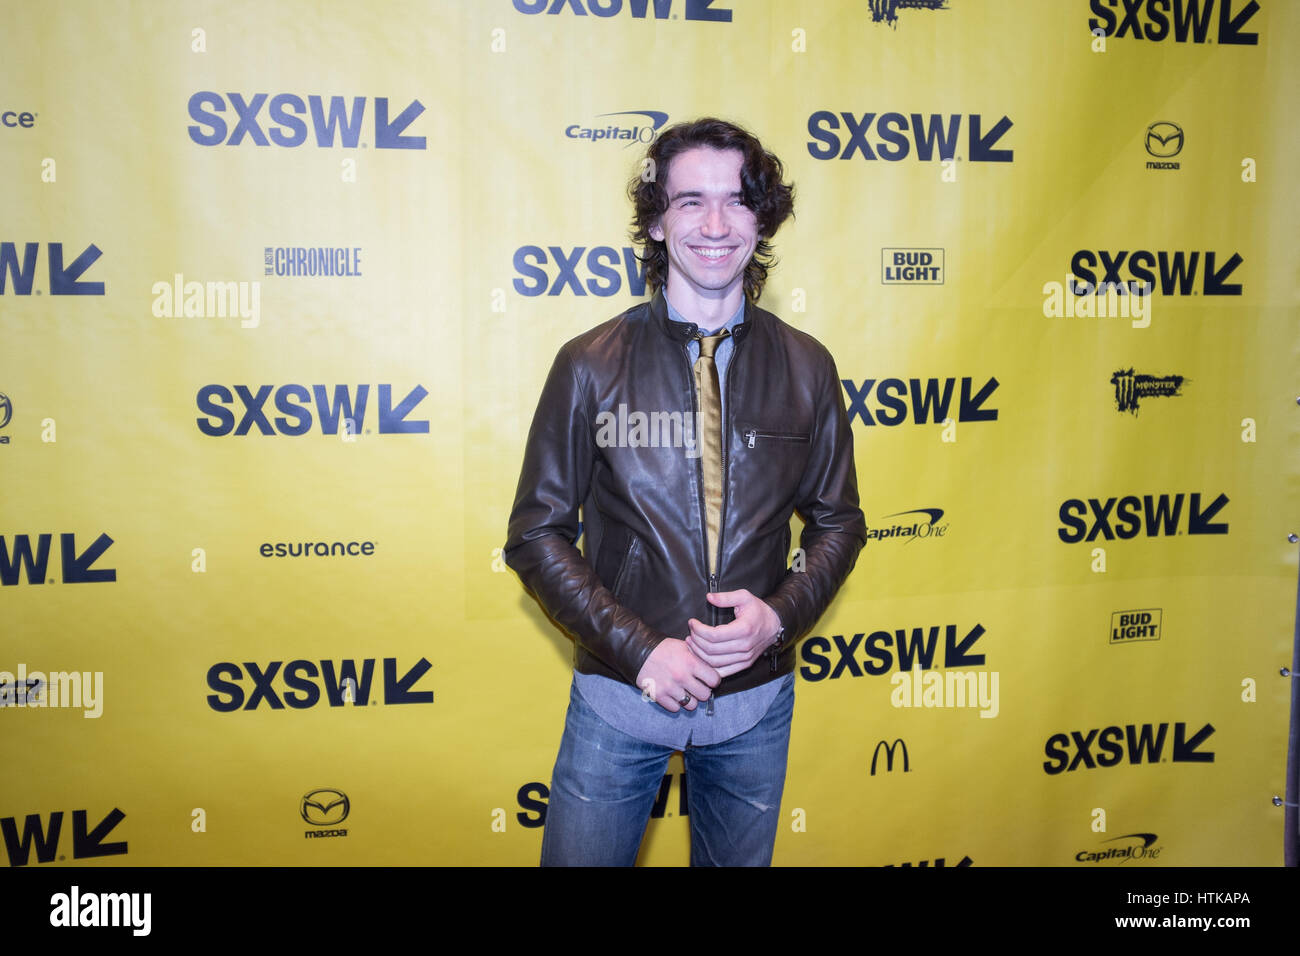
x,y
713,253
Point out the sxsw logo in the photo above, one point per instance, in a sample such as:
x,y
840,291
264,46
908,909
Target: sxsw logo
x,y
1129,626
1114,745
659,9
341,684
17,559
914,651
44,838
63,280
1152,515
922,400
897,135
941,861
286,119
888,750
1190,19
1176,272
345,408
579,270
533,799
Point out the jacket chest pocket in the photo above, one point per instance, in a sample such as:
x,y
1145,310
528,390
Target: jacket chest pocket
x,y
772,457
752,436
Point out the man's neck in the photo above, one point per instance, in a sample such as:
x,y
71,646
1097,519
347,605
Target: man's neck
x,y
704,312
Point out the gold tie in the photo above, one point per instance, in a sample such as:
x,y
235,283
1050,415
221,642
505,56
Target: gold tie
x,y
706,386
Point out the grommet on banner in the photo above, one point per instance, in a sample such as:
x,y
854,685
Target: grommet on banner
x,y
1286,672
1292,537
1279,802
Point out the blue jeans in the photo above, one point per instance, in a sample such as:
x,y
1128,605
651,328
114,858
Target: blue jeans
x,y
605,783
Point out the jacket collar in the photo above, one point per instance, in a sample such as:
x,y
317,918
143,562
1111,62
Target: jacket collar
x,y
683,332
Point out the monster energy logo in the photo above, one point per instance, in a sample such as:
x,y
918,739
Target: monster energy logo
x,y
1130,387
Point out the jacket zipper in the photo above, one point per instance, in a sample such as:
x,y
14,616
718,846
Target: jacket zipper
x,y
726,444
752,435
714,614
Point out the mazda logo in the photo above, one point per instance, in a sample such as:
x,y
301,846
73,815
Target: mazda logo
x,y
1164,139
325,808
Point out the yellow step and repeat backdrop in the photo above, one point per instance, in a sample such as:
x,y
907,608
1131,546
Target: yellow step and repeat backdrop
x,y
279,285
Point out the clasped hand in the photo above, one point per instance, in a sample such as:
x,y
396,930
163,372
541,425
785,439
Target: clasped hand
x,y
680,673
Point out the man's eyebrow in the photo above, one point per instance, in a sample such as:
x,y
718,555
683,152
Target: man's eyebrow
x,y
696,193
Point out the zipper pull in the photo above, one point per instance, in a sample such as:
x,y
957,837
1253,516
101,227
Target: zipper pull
x,y
750,437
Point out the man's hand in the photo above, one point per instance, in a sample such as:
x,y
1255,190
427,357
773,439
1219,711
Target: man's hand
x,y
731,648
671,672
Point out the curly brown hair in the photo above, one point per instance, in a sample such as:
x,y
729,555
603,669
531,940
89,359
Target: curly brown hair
x,y
761,189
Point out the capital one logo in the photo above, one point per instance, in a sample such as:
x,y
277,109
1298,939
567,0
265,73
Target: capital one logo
x,y
325,808
889,749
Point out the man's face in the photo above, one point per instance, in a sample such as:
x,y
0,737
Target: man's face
x,y
709,233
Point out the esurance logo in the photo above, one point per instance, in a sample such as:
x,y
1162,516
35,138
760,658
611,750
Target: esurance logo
x,y
341,684
578,271
1152,515
897,135
64,280
17,118
619,131
1177,271
43,839
6,414
345,408
919,400
338,122
18,560
1134,743
1190,20
706,10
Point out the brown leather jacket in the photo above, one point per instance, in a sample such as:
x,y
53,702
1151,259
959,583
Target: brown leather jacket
x,y
787,445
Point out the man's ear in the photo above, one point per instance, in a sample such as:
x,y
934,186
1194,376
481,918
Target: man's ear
x,y
656,231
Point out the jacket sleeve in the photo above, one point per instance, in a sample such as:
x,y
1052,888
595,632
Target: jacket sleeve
x,y
834,529
556,474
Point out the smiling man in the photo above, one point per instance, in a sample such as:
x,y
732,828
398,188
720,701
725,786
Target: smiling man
x,y
684,610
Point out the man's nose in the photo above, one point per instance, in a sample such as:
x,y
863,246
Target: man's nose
x,y
715,222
